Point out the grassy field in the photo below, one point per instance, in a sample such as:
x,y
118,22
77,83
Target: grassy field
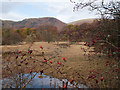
x,y
77,65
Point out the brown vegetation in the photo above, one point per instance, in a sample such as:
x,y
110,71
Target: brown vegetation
x,y
77,65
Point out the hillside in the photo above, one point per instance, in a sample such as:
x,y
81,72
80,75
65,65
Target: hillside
x,y
79,22
34,23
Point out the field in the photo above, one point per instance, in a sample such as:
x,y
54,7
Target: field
x,y
76,65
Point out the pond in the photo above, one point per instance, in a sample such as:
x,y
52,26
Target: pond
x,y
39,81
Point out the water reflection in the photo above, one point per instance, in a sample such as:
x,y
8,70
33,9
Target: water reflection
x,y
39,81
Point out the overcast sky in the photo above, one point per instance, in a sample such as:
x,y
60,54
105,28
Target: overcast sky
x,y
61,9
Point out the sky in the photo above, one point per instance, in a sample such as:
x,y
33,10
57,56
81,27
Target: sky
x,y
18,10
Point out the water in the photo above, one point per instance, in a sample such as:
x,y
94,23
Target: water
x,y
44,81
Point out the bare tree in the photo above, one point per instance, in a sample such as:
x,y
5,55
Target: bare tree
x,y
107,9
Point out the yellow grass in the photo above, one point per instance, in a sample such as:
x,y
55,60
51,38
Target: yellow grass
x,y
77,65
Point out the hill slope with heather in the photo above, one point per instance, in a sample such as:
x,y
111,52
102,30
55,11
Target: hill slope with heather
x,y
34,23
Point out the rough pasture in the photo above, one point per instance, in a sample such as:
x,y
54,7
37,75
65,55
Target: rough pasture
x,y
76,65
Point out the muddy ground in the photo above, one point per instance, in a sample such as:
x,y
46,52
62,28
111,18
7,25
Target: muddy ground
x,y
77,65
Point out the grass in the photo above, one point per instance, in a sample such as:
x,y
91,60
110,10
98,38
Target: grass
x,y
77,65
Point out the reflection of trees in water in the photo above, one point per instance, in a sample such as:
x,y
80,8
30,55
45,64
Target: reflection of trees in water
x,y
28,81
18,81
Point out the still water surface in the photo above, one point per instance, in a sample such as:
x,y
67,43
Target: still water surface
x,y
39,81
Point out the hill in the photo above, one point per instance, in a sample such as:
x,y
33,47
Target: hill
x,y
34,23
79,22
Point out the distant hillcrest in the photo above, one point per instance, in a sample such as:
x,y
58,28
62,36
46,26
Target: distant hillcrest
x,y
79,22
34,23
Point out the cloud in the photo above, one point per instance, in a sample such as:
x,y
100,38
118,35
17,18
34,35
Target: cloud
x,y
8,11
12,16
60,10
64,12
